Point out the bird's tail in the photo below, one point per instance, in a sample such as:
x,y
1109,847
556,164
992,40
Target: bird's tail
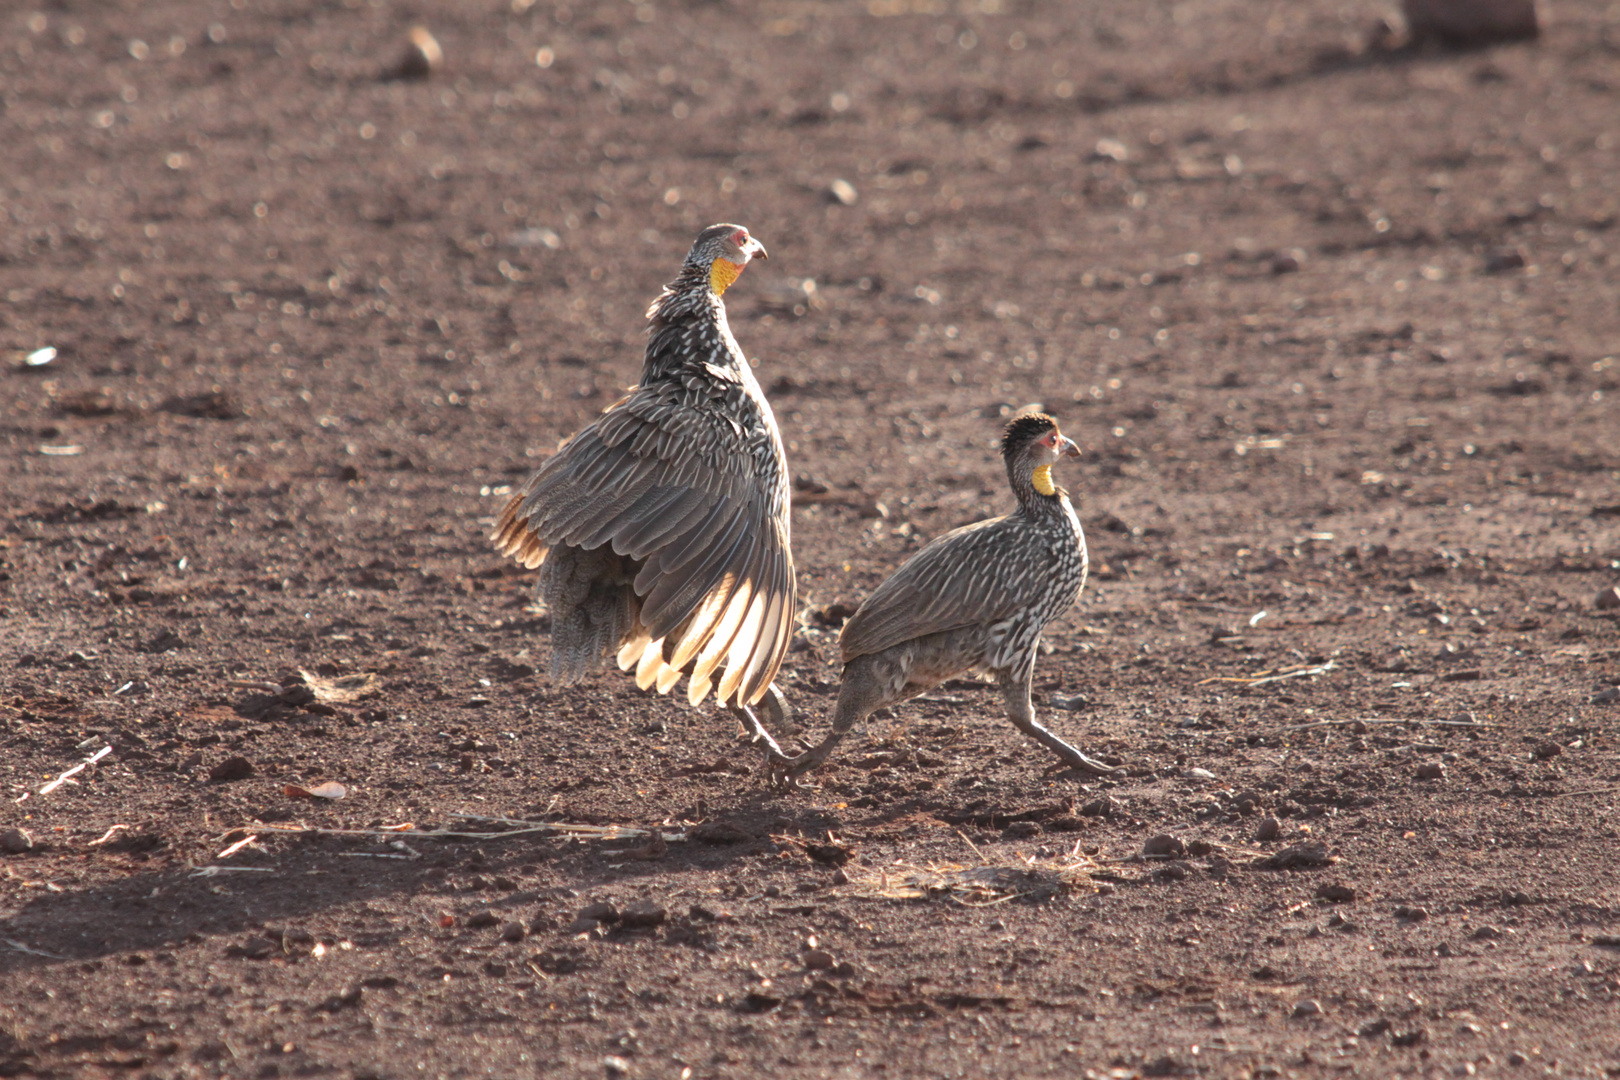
x,y
593,609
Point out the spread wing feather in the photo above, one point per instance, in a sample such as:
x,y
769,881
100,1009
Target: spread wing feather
x,y
668,484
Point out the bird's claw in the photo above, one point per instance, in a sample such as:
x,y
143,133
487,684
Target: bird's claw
x,y
784,772
1092,765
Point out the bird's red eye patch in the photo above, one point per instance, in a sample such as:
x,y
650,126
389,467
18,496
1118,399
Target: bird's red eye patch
x,y
740,237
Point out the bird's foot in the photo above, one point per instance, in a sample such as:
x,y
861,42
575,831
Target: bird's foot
x,y
784,772
1076,760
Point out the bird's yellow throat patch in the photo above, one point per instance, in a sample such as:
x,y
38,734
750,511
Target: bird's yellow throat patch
x,y
722,272
1043,480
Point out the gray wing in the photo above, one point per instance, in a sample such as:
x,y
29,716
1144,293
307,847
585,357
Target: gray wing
x,y
979,573
686,492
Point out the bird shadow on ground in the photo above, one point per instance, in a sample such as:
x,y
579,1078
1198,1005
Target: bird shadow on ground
x,y
292,877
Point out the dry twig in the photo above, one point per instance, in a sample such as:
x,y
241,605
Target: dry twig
x,y
1272,676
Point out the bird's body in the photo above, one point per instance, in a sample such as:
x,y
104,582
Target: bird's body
x,y
973,600
661,529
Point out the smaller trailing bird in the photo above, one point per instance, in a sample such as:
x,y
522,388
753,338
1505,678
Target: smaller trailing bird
x,y
973,600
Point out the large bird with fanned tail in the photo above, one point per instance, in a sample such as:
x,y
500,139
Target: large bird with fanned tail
x,y
661,529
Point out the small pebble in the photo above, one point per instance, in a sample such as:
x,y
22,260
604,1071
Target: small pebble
x,y
1516,1059
480,919
1608,599
423,55
1307,1008
15,841
1105,806
1335,893
1431,770
601,911
818,960
1164,844
843,192
513,931
1502,260
232,768
1269,828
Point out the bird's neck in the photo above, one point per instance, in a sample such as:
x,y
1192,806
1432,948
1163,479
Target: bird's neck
x,y
688,330
1039,496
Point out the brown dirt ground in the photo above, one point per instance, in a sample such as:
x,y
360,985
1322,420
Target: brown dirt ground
x,y
1339,333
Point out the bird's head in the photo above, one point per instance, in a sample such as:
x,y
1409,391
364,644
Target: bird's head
x,y
1031,445
722,252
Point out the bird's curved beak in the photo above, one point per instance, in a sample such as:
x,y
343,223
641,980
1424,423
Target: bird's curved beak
x,y
1067,447
753,249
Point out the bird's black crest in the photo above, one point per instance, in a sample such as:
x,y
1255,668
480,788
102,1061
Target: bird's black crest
x,y
1024,430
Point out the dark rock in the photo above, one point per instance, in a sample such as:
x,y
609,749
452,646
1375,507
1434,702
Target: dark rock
x,y
719,832
231,769
1104,807
602,911
828,854
1470,22
643,914
254,948
1501,260
1299,856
